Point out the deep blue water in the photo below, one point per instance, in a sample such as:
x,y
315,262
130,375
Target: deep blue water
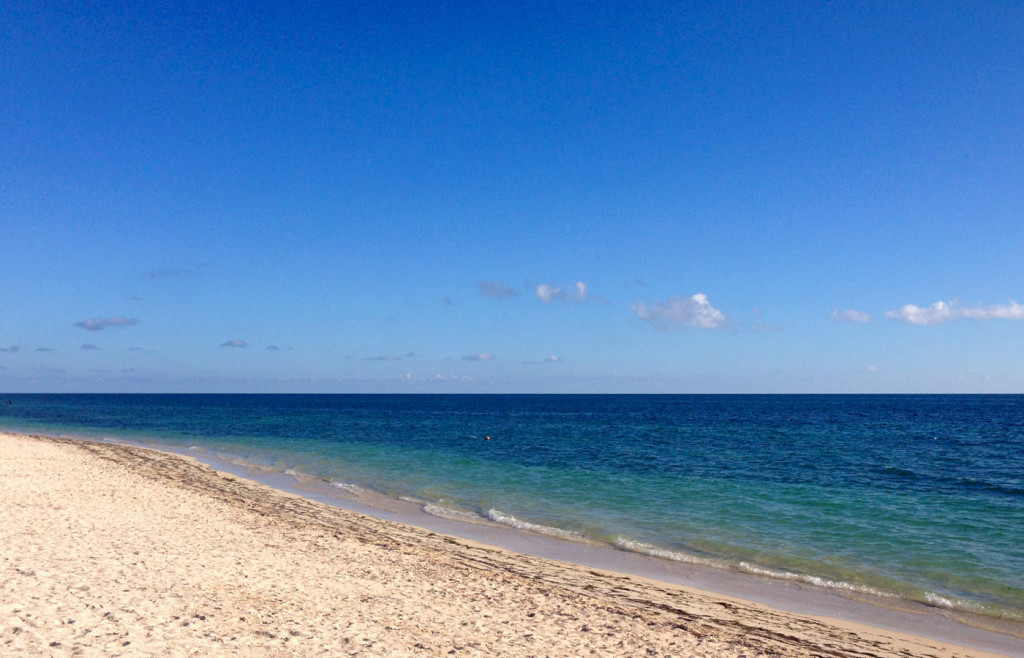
x,y
920,497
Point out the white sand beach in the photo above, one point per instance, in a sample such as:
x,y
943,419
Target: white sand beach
x,y
112,550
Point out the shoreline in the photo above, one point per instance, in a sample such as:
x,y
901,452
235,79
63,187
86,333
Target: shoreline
x,y
668,617
796,595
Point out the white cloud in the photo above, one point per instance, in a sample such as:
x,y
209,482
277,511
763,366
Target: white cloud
x,y
937,313
850,316
941,312
553,359
496,290
694,311
237,342
409,377
482,356
1012,311
96,324
577,293
873,368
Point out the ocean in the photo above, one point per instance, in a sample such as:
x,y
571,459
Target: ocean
x,y
919,498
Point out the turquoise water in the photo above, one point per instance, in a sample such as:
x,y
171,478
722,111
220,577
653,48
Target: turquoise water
x,y
917,497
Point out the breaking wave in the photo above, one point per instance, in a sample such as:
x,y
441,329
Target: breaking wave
x,y
519,524
452,514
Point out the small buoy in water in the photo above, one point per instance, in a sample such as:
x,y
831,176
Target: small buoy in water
x,y
488,438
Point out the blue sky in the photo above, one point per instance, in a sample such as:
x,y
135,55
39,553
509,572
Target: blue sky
x,y
512,197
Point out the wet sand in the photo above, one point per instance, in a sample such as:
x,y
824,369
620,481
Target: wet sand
x,y
119,550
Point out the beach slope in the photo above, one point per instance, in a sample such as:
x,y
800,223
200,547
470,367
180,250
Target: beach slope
x,y
112,550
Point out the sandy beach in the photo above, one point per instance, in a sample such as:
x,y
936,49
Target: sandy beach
x,y
114,550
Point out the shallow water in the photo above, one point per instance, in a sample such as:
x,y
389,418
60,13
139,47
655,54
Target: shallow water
x,y
916,497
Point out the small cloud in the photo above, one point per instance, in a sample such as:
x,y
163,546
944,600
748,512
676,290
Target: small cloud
x,y
446,301
549,293
850,316
1011,311
451,378
496,290
694,311
89,346
550,359
873,368
273,348
383,357
349,357
410,355
439,377
96,324
941,312
44,349
482,356
11,349
237,342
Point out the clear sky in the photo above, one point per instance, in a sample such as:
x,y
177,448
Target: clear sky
x,y
719,197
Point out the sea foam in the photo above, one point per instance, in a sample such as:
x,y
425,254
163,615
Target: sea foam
x,y
626,544
344,486
814,580
678,556
452,514
519,524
